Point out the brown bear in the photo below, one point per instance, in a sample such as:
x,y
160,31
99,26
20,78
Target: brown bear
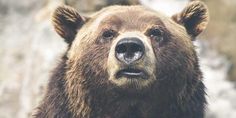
x,y
127,62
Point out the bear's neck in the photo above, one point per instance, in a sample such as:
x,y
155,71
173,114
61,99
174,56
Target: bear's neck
x,y
94,104
115,106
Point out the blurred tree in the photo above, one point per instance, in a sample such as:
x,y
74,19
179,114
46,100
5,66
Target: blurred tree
x,y
221,30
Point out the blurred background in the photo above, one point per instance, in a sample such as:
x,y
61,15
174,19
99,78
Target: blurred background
x,y
30,49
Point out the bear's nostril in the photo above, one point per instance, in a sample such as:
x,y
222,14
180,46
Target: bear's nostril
x,y
129,50
121,49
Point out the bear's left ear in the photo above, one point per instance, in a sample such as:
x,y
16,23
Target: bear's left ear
x,y
66,21
194,18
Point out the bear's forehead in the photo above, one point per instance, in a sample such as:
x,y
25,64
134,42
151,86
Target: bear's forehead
x,y
127,18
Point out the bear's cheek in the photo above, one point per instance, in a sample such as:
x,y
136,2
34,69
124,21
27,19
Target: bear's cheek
x,y
96,56
172,59
91,64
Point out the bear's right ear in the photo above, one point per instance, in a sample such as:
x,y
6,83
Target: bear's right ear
x,y
66,21
194,18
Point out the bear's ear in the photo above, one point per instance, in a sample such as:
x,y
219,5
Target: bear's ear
x,y
66,21
194,18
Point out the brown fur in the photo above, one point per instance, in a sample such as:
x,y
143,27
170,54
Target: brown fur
x,y
80,87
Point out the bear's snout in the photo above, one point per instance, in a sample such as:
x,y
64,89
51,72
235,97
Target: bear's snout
x,y
129,50
131,61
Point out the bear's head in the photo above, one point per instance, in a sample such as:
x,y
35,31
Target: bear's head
x,y
130,49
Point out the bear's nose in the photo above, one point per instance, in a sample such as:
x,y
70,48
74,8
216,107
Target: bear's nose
x,y
129,50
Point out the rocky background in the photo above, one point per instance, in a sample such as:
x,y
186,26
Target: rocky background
x,y
29,49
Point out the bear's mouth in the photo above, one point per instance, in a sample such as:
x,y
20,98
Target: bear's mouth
x,y
131,73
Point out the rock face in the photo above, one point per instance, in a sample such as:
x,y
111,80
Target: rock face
x,y
27,52
29,47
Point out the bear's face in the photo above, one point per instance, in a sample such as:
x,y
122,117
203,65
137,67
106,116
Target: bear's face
x,y
129,47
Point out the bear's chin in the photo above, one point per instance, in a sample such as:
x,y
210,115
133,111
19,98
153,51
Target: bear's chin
x,y
132,88
133,82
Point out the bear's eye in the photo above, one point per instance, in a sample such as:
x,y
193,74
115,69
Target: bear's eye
x,y
155,33
108,34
